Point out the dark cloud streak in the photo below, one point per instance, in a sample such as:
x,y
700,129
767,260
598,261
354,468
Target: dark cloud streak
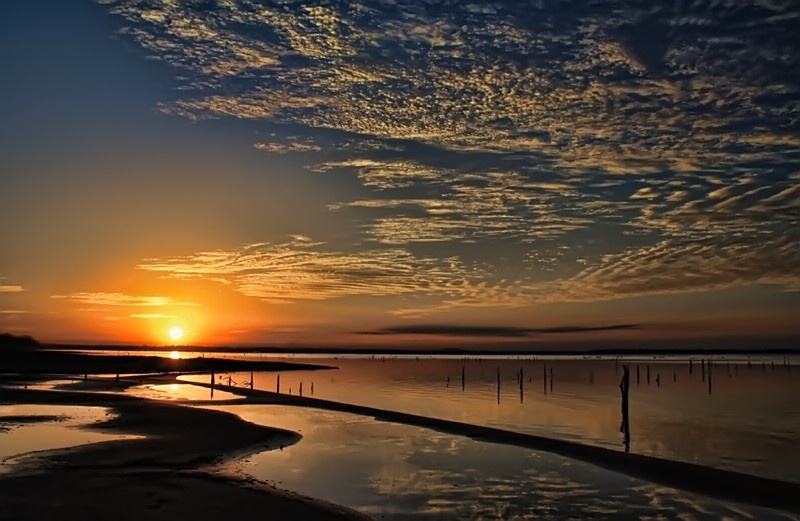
x,y
491,331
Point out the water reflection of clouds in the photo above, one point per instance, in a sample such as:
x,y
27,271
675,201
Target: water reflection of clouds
x,y
689,506
400,472
749,424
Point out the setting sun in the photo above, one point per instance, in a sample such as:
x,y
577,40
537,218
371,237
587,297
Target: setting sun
x,y
176,333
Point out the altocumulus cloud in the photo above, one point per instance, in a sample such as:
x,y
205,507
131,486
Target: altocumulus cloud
x,y
669,130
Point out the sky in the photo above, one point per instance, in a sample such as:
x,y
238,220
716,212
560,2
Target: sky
x,y
401,173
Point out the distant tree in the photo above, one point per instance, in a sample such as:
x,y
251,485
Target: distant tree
x,y
7,340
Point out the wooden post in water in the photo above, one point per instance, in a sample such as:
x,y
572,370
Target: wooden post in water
x,y
117,378
637,374
463,382
312,388
498,385
551,379
301,388
212,378
690,367
658,380
709,378
625,427
251,379
278,384
521,384
703,369
648,374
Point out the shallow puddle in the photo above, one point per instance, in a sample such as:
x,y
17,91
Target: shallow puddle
x,y
29,428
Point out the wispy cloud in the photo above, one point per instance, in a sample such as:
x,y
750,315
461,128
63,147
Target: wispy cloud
x,y
11,288
302,269
120,299
290,146
463,206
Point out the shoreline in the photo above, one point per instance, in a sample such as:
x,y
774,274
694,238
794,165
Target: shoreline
x,y
168,473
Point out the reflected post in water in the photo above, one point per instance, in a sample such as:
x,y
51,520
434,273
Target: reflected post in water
x,y
544,377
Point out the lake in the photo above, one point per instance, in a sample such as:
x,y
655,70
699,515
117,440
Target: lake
x,y
397,472
738,415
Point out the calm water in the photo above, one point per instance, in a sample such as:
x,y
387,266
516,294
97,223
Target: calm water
x,y
61,430
397,472
736,415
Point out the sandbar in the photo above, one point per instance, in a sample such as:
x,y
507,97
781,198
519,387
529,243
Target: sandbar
x,y
166,474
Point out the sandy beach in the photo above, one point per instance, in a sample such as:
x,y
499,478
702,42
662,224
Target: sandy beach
x,y
167,474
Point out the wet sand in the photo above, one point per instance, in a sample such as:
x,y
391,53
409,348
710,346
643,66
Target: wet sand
x,y
7,422
164,475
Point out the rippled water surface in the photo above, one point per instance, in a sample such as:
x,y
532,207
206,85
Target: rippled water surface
x,y
397,472
740,414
